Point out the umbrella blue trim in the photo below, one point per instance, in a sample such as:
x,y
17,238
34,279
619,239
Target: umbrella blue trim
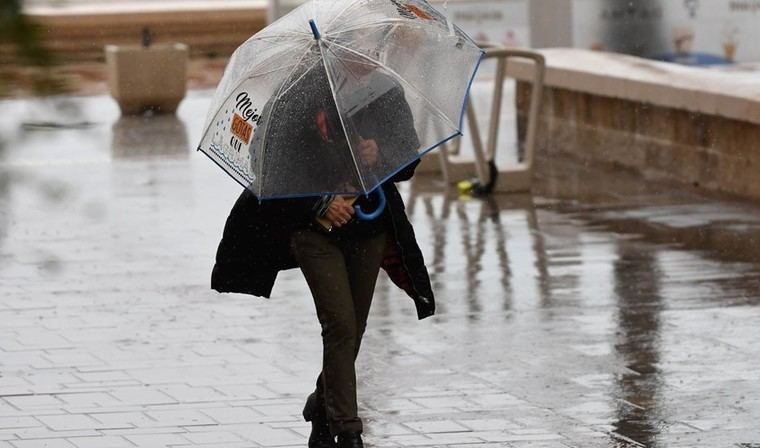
x,y
455,134
202,151
414,159
378,184
378,210
469,85
310,195
341,193
239,170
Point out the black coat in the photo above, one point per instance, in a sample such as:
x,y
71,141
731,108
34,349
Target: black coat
x,y
255,246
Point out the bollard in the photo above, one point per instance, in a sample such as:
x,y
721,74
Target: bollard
x,y
147,77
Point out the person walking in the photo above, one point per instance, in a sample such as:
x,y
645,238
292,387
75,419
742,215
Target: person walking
x,y
339,255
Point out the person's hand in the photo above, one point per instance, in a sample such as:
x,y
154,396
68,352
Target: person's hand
x,y
368,151
339,212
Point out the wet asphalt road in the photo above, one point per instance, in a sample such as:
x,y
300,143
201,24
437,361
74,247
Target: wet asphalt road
x,y
602,311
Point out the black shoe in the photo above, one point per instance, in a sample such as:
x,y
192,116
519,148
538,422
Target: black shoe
x,y
320,435
350,440
320,430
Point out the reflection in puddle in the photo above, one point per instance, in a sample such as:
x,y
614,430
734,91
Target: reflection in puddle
x,y
637,288
597,281
471,249
148,136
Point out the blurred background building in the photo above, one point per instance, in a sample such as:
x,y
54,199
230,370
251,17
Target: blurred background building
x,y
694,32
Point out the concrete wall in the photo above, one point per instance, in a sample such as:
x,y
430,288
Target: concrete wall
x,y
701,128
705,151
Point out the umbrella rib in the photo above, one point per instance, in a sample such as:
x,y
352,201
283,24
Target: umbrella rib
x,y
250,76
341,13
377,23
283,36
340,117
284,67
266,127
430,103
266,62
292,84
382,22
284,33
256,74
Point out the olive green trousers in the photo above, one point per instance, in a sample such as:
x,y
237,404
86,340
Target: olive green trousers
x,y
341,273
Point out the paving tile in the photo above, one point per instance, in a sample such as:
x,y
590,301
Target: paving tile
x,y
232,414
600,311
216,437
89,399
103,376
492,424
156,440
114,420
267,436
42,443
184,394
182,417
429,427
67,422
44,433
141,396
222,445
19,422
27,402
101,442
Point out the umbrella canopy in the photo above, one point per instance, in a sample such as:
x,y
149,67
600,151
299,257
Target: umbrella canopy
x,y
339,95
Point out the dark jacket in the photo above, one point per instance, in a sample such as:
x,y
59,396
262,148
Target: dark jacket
x,y
255,246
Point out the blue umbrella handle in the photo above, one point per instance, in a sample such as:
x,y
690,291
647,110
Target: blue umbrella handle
x,y
379,210
314,29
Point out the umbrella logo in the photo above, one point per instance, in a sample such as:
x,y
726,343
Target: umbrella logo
x,y
410,11
417,11
241,128
245,106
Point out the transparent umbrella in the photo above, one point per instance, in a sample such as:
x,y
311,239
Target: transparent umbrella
x,y
338,96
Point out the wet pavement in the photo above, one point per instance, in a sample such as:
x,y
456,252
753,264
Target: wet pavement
x,y
602,311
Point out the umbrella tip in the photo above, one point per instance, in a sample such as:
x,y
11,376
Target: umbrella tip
x,y
314,29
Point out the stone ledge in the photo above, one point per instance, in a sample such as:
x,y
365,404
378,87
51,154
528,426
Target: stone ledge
x,y
78,33
730,93
693,126
709,152
128,7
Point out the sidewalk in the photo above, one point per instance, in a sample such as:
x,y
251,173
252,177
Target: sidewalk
x,y
603,311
